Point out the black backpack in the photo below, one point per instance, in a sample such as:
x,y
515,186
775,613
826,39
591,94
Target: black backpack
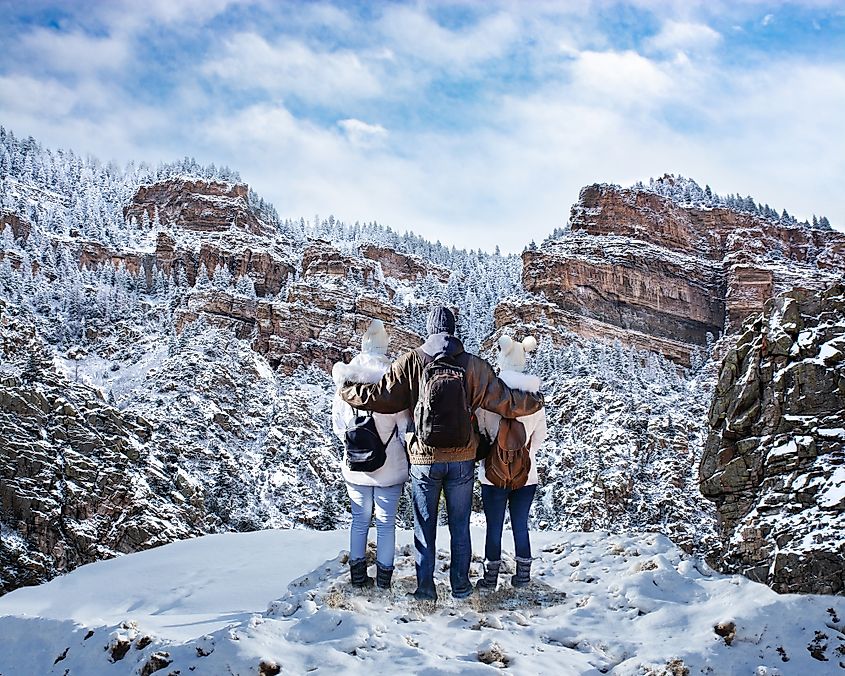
x,y
442,417
365,451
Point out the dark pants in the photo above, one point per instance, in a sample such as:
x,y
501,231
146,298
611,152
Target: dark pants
x,y
455,480
495,501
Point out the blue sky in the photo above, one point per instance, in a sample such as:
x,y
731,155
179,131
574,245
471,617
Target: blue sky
x,y
474,123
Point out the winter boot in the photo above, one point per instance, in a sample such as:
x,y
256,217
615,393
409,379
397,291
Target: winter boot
x,y
358,573
491,575
383,576
523,572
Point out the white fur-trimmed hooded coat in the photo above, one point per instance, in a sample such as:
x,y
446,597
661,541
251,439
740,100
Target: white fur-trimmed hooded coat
x,y
369,368
535,424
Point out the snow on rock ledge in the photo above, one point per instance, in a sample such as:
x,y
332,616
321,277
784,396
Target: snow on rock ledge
x,y
774,462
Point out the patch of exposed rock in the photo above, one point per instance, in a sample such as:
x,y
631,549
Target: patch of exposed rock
x,y
321,319
76,481
225,232
403,267
638,266
774,462
195,204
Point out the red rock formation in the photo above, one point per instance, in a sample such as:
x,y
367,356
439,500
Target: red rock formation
x,y
202,206
640,267
231,235
322,259
404,267
20,227
319,323
544,319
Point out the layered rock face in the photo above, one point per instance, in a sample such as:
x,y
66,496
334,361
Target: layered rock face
x,y
205,223
774,462
642,263
202,206
403,267
321,319
76,482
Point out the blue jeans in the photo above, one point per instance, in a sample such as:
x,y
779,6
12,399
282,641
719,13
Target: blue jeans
x,y
455,480
386,501
495,501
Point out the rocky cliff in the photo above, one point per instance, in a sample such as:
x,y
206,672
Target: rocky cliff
x,y
642,267
77,481
774,463
318,321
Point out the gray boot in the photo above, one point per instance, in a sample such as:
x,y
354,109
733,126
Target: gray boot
x,y
383,576
523,573
358,573
491,575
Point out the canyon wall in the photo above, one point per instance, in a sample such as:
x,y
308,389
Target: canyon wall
x,y
638,267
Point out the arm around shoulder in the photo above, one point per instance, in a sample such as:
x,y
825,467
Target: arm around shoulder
x,y
391,394
492,394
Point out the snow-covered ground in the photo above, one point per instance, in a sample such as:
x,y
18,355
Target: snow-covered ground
x,y
279,602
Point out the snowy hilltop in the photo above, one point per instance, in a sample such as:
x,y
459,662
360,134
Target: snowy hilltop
x,y
279,602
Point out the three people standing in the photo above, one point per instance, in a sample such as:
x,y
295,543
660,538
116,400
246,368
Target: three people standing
x,y
440,461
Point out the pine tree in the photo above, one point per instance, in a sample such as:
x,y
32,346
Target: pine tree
x,y
202,281
245,286
222,277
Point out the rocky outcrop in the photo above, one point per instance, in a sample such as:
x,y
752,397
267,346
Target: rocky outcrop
x,y
403,267
321,319
774,462
197,205
204,223
20,226
538,317
640,262
76,483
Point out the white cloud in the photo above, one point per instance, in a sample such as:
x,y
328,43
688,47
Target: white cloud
x,y
768,19
619,78
685,37
289,67
361,133
127,16
512,167
25,95
413,32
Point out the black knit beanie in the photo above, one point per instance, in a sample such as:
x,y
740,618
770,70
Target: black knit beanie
x,y
440,320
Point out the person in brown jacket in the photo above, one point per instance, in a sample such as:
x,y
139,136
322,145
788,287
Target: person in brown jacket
x,y
435,468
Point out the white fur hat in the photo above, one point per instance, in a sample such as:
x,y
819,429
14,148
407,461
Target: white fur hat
x,y
375,338
512,353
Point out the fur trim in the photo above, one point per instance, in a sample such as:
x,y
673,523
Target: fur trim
x,y
365,368
520,381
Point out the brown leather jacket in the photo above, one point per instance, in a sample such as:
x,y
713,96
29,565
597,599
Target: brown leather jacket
x,y
399,390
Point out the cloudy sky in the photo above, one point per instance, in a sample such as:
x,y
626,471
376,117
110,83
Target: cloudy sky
x,y
475,123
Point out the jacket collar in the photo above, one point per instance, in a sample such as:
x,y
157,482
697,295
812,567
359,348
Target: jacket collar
x,y
442,344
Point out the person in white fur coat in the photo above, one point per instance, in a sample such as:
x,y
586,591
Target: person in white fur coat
x,y
378,490
511,362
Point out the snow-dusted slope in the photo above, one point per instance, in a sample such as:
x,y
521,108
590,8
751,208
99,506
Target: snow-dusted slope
x,y
279,602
